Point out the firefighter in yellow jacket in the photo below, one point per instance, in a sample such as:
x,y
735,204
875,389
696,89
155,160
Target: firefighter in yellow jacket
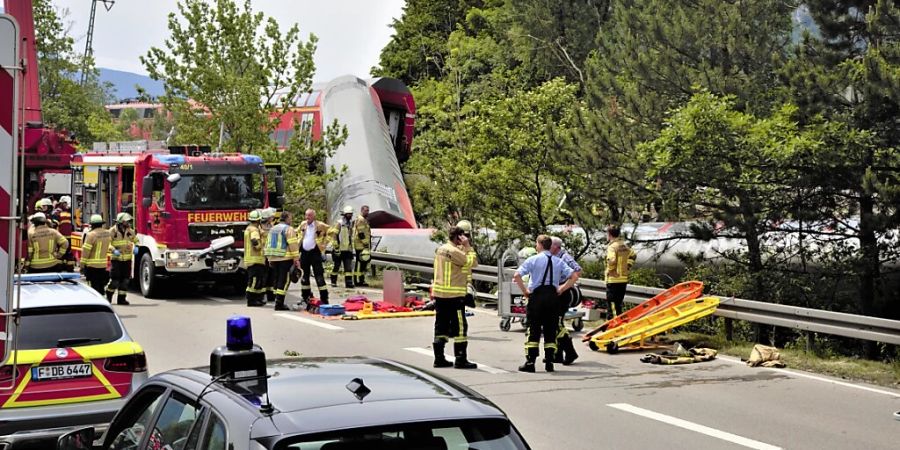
x,y
341,235
266,224
122,241
449,291
471,261
619,259
283,252
255,260
45,246
362,244
94,254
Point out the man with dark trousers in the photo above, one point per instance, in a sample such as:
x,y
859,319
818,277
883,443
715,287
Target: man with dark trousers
x,y
449,291
565,349
543,290
122,241
266,224
255,260
283,252
342,248
362,244
94,253
619,259
313,235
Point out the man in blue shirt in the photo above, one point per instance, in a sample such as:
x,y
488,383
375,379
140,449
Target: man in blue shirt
x,y
542,292
565,349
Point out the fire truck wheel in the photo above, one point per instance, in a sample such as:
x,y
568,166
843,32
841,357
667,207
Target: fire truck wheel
x,y
147,276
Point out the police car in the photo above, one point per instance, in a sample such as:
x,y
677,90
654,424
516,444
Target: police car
x,y
243,402
72,362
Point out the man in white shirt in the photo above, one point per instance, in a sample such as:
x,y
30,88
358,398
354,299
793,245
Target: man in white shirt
x,y
313,235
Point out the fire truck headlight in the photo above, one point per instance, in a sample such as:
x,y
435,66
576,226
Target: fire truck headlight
x,y
178,260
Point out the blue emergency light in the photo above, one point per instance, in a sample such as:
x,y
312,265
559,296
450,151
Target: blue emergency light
x,y
238,333
45,277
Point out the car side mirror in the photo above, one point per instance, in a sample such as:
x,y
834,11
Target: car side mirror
x,y
80,439
279,185
147,187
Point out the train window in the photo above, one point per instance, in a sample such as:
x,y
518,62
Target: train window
x,y
312,98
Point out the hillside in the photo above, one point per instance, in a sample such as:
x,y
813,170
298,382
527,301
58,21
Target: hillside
x,y
124,83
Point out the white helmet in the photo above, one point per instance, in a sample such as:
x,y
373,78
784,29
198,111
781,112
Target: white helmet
x,y
38,217
348,209
65,199
267,213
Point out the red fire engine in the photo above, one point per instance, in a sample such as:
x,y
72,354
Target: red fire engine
x,y
190,206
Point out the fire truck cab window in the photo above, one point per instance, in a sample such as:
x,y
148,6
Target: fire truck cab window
x,y
218,191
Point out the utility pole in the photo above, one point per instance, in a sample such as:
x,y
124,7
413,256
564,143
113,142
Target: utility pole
x,y
89,44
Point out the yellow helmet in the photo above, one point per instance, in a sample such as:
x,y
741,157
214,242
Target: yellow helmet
x,y
96,218
465,225
255,216
123,217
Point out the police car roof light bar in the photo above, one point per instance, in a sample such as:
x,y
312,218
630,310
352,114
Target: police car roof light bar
x,y
45,277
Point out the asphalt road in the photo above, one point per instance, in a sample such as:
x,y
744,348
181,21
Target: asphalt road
x,y
602,401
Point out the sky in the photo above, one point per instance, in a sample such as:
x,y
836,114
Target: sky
x,y
351,32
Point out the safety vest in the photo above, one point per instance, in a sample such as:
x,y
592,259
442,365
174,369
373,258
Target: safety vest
x,y
341,235
253,254
282,243
449,279
362,234
123,242
45,247
95,248
619,259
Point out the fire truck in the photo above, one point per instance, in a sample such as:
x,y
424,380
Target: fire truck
x,y
189,205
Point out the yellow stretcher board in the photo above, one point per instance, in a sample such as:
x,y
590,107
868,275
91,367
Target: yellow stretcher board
x,y
661,321
387,315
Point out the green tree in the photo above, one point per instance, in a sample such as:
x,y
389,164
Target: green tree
x,y
66,104
227,66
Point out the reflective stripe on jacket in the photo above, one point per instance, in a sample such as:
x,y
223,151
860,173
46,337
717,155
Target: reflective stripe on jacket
x,y
45,247
362,234
449,278
341,237
123,242
471,261
282,243
95,248
253,254
619,259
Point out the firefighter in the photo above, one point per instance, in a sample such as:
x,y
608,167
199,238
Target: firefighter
x,y
362,244
62,217
565,350
449,291
619,259
471,261
313,236
543,291
268,218
43,206
255,260
94,252
342,248
45,246
283,252
122,241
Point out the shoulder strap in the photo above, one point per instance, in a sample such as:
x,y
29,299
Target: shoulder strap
x,y
548,269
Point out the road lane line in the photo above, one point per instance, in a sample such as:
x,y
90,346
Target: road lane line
x,y
795,373
218,299
429,352
712,432
293,317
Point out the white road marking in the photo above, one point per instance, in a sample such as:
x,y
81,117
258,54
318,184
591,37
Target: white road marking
x,y
794,373
218,299
429,352
733,438
296,318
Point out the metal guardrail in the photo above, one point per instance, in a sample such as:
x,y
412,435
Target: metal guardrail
x,y
795,317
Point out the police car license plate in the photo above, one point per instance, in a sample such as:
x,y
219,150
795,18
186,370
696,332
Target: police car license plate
x,y
61,371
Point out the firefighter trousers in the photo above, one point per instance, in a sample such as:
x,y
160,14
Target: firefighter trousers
x,y
450,320
256,284
97,277
361,267
119,276
52,269
270,284
311,263
542,314
282,271
615,295
345,259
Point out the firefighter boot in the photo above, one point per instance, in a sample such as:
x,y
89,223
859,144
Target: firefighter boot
x,y
462,361
120,300
530,358
439,359
571,354
334,280
348,282
549,354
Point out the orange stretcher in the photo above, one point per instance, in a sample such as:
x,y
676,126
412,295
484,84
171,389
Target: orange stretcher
x,y
668,298
638,330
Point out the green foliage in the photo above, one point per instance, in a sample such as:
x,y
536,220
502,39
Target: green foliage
x,y
226,65
66,104
104,130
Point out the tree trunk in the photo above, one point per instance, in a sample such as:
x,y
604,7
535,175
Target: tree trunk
x,y
870,267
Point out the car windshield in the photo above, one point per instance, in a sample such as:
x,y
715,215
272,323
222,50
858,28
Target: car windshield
x,y
67,326
217,191
487,434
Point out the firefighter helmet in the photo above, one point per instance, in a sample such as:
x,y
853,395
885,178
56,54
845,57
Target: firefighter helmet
x,y
39,218
43,202
65,199
255,215
348,209
267,213
123,217
96,219
365,255
465,225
